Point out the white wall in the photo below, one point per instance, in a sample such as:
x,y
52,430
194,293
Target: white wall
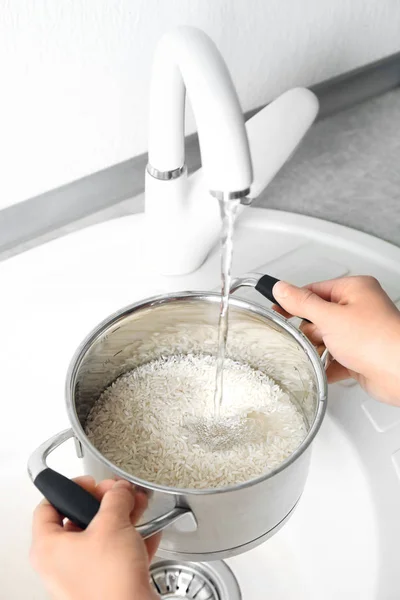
x,y
75,73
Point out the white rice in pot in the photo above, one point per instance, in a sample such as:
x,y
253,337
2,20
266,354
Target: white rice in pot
x,y
156,423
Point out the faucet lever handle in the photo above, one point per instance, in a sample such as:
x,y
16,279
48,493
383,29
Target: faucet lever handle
x,y
275,132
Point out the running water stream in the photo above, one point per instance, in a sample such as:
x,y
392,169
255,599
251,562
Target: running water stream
x,y
228,214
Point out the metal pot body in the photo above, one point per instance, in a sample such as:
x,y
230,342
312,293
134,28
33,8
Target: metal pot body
x,y
226,523
223,522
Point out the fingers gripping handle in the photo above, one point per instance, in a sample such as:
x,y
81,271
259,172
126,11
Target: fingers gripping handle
x,y
70,499
265,286
80,506
262,283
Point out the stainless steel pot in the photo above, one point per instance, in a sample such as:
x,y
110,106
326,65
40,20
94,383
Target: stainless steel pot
x,y
199,524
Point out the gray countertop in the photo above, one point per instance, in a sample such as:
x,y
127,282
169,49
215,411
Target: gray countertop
x,y
347,170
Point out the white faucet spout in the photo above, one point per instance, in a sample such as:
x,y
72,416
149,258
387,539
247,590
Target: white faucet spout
x,y
186,59
182,216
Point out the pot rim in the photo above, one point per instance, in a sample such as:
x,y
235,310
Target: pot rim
x,y
192,296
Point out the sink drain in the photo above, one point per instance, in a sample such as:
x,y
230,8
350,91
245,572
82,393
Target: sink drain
x,y
194,581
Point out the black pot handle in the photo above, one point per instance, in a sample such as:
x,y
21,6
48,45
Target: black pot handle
x,y
80,506
70,499
262,283
265,285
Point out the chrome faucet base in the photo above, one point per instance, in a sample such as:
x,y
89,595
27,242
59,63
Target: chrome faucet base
x,y
237,195
166,175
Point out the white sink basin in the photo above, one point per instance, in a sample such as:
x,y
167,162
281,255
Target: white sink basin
x,y
330,547
344,538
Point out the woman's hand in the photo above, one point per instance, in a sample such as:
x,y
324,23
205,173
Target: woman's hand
x,y
107,561
358,323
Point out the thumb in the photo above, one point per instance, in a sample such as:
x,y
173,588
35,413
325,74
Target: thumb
x,y
116,507
301,302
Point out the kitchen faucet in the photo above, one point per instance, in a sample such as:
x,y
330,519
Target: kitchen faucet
x,y
182,212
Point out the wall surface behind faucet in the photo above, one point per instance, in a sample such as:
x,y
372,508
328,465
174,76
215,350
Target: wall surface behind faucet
x,y
75,74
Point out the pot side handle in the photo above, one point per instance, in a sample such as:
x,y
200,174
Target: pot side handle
x,y
77,504
264,285
70,499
